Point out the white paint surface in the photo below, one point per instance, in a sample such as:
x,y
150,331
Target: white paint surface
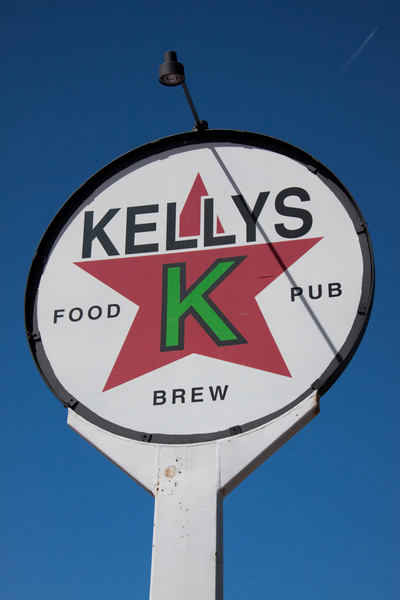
x,y
188,483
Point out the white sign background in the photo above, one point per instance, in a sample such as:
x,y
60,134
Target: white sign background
x,y
308,332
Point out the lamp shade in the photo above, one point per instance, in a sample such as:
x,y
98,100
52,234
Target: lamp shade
x,y
171,72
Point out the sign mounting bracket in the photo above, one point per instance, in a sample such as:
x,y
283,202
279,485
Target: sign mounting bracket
x,y
189,483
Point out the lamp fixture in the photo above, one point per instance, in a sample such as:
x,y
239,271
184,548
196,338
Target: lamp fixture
x,y
172,73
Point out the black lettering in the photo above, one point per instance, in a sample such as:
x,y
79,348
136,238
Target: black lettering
x,y
172,243
295,291
196,392
79,317
250,217
90,233
98,313
178,394
209,239
58,314
334,289
159,397
290,211
132,228
110,314
218,392
310,292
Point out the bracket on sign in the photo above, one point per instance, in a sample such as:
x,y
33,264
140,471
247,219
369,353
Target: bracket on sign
x,y
189,482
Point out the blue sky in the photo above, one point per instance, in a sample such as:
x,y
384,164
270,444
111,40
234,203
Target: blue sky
x,y
80,87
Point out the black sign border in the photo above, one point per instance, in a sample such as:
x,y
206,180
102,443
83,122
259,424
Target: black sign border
x,y
73,205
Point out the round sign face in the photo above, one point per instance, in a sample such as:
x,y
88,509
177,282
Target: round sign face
x,y
199,286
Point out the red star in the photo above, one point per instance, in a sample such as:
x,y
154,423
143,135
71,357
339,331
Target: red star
x,y
140,280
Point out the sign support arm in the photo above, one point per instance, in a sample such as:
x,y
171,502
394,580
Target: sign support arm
x,y
188,483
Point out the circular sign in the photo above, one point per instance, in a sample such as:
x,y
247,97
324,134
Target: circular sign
x,y
199,286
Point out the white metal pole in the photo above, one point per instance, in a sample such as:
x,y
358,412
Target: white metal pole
x,y
187,542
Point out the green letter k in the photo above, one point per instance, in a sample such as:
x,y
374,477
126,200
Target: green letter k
x,y
178,303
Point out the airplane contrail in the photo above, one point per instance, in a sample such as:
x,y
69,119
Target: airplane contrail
x,y
349,62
